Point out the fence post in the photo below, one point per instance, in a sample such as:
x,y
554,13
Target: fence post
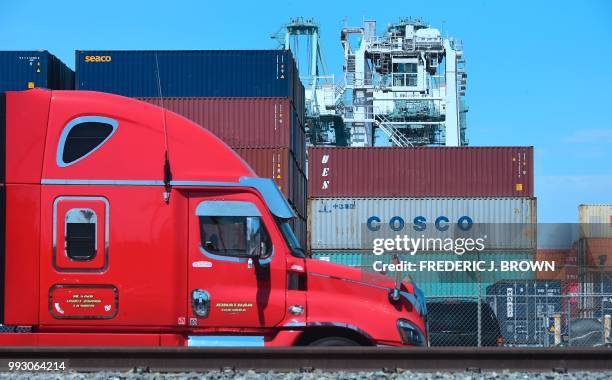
x,y
607,323
479,316
557,329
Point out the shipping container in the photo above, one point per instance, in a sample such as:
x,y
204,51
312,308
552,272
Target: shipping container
x,y
280,165
526,310
351,258
298,225
353,223
557,236
595,290
437,283
421,172
301,103
245,122
595,214
566,264
570,301
199,73
595,221
595,253
23,70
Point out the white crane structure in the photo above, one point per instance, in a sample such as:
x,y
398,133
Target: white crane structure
x,y
409,83
301,36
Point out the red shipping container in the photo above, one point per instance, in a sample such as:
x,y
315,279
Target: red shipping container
x,y
420,172
566,269
245,122
280,165
596,253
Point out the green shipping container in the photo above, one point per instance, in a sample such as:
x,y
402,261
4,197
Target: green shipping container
x,y
451,284
352,259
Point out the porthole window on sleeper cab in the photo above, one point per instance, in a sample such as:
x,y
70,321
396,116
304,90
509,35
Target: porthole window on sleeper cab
x,y
83,136
81,230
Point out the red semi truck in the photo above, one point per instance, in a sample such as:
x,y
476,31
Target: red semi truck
x,y
125,224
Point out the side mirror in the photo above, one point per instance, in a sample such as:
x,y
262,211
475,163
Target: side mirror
x,y
253,237
209,246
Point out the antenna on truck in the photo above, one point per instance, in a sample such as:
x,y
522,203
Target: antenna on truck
x,y
167,170
394,294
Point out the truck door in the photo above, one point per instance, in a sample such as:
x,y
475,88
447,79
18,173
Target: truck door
x,y
236,270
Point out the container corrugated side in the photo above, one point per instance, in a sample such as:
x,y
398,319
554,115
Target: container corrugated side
x,y
595,221
420,172
244,122
298,225
566,264
436,284
340,223
280,165
595,253
22,70
597,284
525,310
200,73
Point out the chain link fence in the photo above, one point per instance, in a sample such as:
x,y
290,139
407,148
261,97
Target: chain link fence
x,y
520,320
526,313
570,307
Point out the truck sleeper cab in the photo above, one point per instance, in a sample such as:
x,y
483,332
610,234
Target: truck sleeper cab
x,y
126,224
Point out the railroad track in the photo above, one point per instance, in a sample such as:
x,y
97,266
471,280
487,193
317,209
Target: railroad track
x,y
307,358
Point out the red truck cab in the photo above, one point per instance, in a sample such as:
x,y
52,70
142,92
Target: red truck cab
x,y
126,224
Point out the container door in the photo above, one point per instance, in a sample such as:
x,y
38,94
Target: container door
x,y
236,276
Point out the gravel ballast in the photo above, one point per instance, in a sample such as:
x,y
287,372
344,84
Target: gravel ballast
x,y
314,375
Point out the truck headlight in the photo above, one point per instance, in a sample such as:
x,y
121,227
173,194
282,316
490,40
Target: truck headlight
x,y
410,334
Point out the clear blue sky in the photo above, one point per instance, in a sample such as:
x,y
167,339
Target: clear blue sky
x,y
539,71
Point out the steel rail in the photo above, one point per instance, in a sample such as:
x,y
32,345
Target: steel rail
x,y
305,358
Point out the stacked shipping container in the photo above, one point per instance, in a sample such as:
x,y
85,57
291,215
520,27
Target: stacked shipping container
x,y
279,164
452,284
253,100
190,73
264,131
341,223
407,190
22,70
245,122
526,309
566,264
421,172
595,259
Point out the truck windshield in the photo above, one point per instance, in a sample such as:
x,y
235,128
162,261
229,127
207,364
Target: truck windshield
x,y
290,238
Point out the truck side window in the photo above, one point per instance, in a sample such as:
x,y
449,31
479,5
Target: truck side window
x,y
82,136
227,235
81,234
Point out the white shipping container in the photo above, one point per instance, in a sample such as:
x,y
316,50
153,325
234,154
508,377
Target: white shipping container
x,y
347,223
595,221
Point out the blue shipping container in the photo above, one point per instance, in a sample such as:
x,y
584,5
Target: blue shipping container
x,y
525,309
22,70
195,73
598,288
523,298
